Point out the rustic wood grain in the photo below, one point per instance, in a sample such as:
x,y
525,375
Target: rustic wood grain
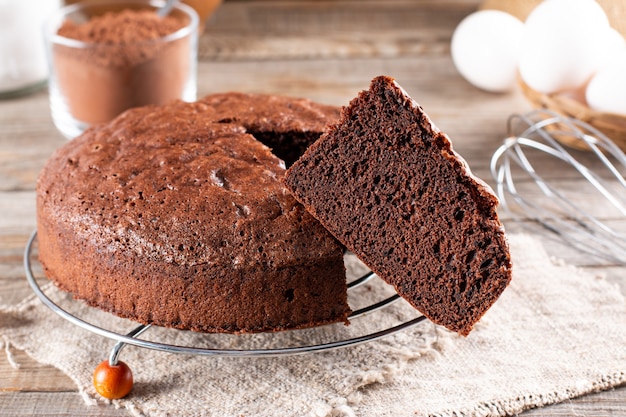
x,y
53,404
32,376
330,29
326,50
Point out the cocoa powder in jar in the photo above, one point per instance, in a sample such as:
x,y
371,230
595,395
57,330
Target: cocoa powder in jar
x,y
126,60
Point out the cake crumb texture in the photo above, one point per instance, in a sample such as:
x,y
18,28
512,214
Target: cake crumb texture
x,y
387,183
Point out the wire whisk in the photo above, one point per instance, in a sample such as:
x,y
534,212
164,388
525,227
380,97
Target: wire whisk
x,y
579,215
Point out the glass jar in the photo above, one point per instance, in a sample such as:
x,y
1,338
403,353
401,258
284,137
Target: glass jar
x,y
23,66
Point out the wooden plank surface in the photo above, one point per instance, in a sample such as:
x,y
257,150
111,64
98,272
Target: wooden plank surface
x,y
325,50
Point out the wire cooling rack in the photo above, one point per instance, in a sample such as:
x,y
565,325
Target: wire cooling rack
x,y
133,337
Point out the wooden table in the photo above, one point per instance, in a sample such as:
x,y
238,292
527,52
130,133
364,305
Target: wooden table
x,y
324,50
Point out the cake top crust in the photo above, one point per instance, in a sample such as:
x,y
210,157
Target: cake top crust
x,y
270,113
178,183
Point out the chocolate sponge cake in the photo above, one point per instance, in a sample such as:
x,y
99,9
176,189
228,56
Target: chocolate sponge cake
x,y
387,183
287,125
175,216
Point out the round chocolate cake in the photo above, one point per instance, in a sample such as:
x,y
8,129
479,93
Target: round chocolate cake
x,y
176,216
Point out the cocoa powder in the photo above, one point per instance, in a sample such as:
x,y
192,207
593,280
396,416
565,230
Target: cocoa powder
x,y
123,62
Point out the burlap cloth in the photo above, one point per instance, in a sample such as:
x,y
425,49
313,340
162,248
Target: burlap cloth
x,y
555,333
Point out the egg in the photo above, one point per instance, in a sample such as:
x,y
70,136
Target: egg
x,y
606,92
484,49
563,44
613,45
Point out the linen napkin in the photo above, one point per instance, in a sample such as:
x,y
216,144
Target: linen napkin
x,y
555,333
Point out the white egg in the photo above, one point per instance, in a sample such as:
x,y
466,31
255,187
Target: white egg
x,y
613,45
484,49
606,91
563,44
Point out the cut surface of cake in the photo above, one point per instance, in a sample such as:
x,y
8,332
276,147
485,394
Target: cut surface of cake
x,y
287,125
387,183
172,216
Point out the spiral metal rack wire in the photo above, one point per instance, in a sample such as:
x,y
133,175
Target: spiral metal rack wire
x,y
132,337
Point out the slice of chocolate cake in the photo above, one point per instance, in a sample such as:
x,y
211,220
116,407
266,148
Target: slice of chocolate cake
x,y
387,183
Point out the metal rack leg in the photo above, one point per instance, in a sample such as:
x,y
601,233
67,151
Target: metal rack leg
x,y
115,352
112,378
